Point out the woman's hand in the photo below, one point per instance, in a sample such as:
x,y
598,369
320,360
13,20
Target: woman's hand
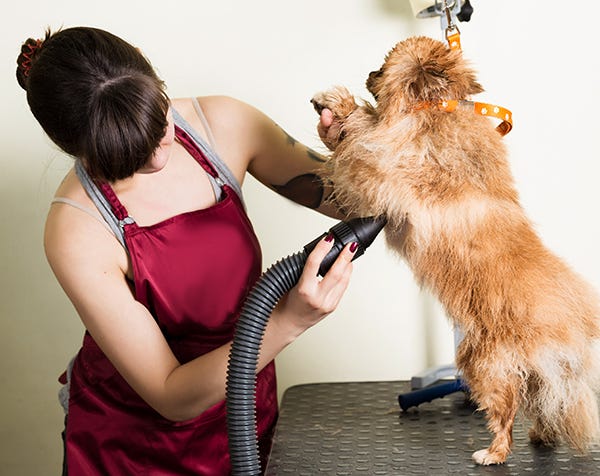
x,y
313,297
328,128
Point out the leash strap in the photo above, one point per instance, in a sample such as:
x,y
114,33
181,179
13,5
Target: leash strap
x,y
483,109
453,38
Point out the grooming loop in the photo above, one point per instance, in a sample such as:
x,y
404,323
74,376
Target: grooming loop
x,y
449,27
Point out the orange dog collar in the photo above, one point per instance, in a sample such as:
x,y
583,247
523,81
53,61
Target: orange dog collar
x,y
483,109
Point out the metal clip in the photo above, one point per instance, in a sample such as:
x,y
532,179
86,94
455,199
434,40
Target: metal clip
x,y
448,12
126,221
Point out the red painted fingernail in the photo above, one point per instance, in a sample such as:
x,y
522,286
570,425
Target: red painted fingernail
x,y
329,238
353,247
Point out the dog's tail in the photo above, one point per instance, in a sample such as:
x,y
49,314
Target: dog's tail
x,y
562,398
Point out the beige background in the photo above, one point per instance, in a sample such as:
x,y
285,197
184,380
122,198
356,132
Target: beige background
x,y
534,58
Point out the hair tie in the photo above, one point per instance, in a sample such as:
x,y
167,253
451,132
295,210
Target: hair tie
x,y
32,48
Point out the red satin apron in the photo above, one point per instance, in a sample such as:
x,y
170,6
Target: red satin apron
x,y
192,272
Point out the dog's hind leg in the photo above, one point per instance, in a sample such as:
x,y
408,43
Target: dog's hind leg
x,y
564,406
581,420
541,435
500,402
496,385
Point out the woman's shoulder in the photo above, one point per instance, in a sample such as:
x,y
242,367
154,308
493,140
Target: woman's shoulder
x,y
236,127
71,188
70,197
74,226
218,109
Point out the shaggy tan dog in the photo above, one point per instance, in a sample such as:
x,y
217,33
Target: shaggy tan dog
x,y
442,179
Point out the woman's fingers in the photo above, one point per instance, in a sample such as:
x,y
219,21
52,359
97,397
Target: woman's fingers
x,y
325,294
313,262
336,280
328,128
325,122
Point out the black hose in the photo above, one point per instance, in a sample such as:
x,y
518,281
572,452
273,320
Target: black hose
x,y
243,357
243,361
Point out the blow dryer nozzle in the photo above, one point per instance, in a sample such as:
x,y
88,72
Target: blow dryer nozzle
x,y
360,230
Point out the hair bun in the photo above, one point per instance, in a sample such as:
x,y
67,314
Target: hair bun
x,y
29,50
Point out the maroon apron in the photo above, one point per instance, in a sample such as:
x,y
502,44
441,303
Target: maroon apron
x,y
193,272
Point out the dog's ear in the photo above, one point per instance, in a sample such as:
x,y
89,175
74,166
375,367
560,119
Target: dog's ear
x,y
373,82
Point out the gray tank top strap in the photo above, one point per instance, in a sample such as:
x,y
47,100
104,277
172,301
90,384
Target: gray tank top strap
x,y
224,172
225,176
100,201
209,135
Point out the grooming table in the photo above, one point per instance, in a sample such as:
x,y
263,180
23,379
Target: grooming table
x,y
359,429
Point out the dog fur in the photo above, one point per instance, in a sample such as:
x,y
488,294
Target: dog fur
x,y
530,324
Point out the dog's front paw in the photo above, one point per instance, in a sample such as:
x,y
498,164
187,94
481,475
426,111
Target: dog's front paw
x,y
338,100
485,457
341,104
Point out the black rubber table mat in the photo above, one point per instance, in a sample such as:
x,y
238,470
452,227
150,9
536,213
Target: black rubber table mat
x,y
359,429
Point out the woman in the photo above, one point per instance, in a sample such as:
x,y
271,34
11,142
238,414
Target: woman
x,y
149,238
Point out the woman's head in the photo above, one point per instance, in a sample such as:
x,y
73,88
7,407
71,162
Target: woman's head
x,y
97,98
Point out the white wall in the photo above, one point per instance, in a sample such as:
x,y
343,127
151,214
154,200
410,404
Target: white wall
x,y
534,58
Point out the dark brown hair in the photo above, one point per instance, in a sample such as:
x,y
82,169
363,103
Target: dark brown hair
x,y
97,97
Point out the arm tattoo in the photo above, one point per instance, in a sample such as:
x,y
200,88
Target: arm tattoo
x,y
314,156
290,140
304,189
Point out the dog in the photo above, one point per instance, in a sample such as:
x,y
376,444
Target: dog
x,y
530,324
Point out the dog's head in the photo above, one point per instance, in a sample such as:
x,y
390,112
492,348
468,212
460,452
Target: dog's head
x,y
418,70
